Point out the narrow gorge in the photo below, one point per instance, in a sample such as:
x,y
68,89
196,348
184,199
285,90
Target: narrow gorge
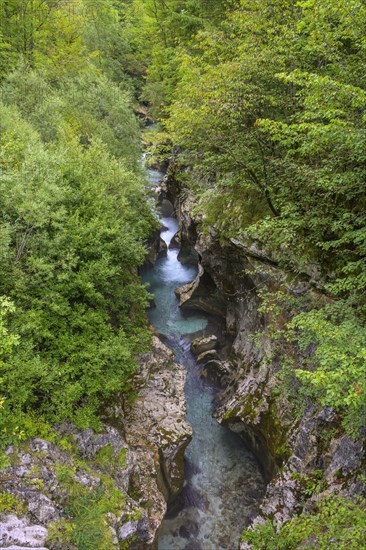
x,y
182,274
221,475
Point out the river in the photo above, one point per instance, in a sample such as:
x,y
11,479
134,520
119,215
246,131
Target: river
x,y
223,481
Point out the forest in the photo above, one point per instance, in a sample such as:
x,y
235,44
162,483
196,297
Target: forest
x,y
74,218
261,104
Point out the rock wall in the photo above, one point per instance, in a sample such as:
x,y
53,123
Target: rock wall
x,y
227,285
48,486
157,248
303,458
157,433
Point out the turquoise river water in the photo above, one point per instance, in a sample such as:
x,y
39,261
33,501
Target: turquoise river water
x,y
223,480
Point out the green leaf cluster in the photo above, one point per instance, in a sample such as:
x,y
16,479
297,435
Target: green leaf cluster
x,y
156,29
335,373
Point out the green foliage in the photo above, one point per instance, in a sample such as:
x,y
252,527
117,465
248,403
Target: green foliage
x,y
335,372
156,29
310,485
72,233
74,218
44,33
11,503
108,460
77,297
86,508
121,459
90,529
336,523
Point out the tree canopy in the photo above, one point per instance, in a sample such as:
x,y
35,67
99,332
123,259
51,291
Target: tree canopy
x,y
74,218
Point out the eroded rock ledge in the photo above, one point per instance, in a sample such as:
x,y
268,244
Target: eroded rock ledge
x,y
139,453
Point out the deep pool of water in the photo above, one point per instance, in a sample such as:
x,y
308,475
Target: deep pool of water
x,y
223,481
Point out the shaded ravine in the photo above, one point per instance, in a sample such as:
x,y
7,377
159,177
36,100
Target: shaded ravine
x,y
223,481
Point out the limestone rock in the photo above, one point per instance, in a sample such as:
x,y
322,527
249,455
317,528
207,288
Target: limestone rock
x,y
347,457
158,249
175,242
42,508
246,407
157,433
20,532
127,530
34,478
166,207
162,249
217,371
209,355
185,292
188,228
201,294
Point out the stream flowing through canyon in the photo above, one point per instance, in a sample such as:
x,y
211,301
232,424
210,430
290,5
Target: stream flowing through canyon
x,y
223,481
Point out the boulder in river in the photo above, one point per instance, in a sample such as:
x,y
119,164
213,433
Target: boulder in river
x,y
201,294
204,344
157,249
175,242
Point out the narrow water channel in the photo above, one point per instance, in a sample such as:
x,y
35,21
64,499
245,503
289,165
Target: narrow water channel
x,y
223,481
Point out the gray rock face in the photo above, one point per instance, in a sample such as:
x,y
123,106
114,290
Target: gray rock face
x,y
127,530
210,355
43,509
347,456
340,470
21,533
201,294
157,249
246,408
217,371
162,248
175,242
35,480
187,253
